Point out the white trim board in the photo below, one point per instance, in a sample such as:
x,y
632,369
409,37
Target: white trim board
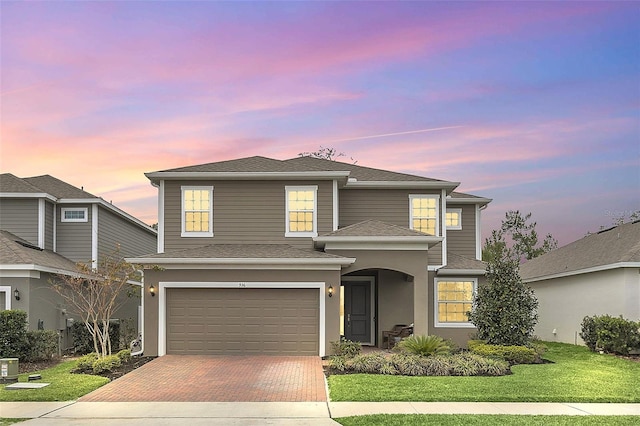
x,y
162,303
7,295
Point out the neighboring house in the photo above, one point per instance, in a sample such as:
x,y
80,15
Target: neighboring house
x,y
47,226
596,275
258,255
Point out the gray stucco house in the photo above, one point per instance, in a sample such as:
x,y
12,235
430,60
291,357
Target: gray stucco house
x,y
259,255
596,275
46,226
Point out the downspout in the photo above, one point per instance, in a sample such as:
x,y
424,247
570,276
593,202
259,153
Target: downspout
x,y
141,331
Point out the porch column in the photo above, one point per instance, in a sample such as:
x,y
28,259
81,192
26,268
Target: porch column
x,y
421,302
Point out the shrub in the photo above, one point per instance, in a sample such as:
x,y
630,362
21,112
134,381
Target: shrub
x,y
424,345
83,340
345,347
368,363
408,364
42,344
106,363
438,365
85,363
470,364
338,363
512,354
611,334
124,355
13,334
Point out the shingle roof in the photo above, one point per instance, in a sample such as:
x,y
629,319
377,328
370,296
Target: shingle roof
x,y
58,188
360,173
11,183
459,262
374,228
243,251
249,164
607,247
16,251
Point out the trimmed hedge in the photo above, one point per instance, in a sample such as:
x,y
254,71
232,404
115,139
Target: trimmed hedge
x,y
13,334
611,334
512,354
43,345
83,341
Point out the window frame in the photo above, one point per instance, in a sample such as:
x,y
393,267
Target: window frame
x,y
196,234
436,301
296,234
437,217
63,210
456,227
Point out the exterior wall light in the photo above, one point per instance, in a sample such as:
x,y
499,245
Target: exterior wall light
x,y
152,290
16,294
330,291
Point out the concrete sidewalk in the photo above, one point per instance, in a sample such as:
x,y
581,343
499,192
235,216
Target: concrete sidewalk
x,y
274,413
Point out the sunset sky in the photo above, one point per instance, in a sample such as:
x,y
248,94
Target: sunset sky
x,y
535,105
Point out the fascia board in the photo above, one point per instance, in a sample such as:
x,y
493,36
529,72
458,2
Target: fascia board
x,y
449,186
380,239
416,246
312,175
479,200
28,195
289,263
111,207
40,268
452,272
584,271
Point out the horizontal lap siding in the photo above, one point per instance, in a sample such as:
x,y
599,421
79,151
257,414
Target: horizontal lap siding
x,y
114,232
20,217
244,212
74,238
463,242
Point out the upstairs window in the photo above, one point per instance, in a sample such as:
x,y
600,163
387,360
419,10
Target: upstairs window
x,y
74,214
301,211
454,298
454,219
423,212
197,211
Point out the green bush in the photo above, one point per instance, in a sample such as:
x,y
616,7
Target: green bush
x,y
124,355
42,344
438,365
338,363
13,334
408,364
424,345
611,334
83,340
368,363
512,354
106,363
346,348
85,363
470,364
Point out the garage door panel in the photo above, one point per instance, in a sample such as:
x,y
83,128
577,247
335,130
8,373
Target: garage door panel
x,y
238,321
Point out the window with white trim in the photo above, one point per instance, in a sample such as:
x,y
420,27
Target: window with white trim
x,y
197,211
423,213
453,299
74,214
453,219
301,214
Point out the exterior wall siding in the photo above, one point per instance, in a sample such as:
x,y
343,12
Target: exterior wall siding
x,y
244,212
114,232
463,242
48,225
74,238
395,301
20,217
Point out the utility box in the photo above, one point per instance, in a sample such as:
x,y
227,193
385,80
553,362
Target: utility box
x,y
9,370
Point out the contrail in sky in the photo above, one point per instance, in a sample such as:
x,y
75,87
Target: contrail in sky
x,y
395,134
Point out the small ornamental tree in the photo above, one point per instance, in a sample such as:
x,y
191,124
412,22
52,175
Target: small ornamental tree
x,y
95,295
504,308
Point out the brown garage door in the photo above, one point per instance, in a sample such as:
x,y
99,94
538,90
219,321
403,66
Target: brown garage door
x,y
270,321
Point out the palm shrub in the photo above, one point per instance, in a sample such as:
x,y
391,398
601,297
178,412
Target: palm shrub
x,y
424,345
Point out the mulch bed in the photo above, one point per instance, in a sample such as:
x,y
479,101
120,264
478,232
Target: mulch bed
x,y
126,367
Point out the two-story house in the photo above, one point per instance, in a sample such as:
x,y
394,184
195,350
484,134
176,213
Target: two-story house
x,y
258,255
46,226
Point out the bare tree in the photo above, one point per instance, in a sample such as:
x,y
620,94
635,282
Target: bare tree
x,y
326,153
95,295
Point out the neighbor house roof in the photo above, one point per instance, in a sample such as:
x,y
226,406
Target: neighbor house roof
x,y
610,248
13,184
460,265
18,254
58,188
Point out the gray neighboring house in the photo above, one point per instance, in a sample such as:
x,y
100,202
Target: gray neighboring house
x,y
266,256
48,225
596,275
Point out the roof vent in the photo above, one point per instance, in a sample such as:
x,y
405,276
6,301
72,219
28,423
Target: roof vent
x,y
28,245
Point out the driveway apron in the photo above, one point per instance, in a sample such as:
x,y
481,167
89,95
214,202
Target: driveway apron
x,y
201,378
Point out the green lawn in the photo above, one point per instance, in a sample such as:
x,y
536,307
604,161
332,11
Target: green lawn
x,y
472,420
577,375
64,386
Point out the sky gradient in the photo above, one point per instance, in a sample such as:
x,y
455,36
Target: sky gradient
x,y
535,105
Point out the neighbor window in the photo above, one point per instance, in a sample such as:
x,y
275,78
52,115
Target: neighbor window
x,y
454,219
197,211
423,212
74,214
454,298
301,211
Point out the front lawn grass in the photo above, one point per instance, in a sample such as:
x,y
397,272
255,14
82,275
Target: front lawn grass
x,y
576,375
483,419
64,386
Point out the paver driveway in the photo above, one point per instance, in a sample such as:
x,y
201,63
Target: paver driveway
x,y
203,378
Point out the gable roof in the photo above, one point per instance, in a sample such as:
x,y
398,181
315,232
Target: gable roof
x,y
58,188
460,265
16,253
610,248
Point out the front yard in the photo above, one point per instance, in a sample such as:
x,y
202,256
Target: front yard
x,y
481,420
575,375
